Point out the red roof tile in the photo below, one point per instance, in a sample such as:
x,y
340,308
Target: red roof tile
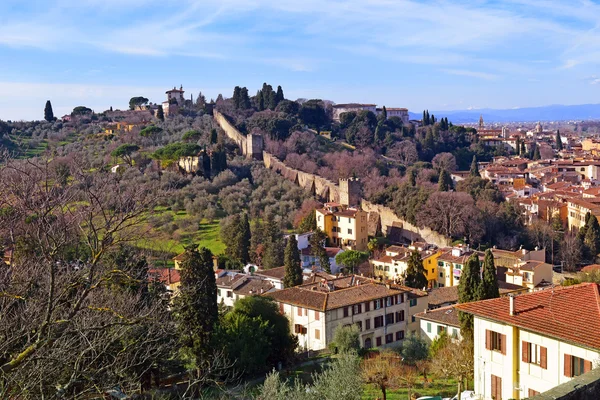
x,y
570,314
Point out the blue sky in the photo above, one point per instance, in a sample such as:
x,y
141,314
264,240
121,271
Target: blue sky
x,y
440,55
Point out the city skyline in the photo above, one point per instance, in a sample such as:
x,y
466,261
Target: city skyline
x,y
494,54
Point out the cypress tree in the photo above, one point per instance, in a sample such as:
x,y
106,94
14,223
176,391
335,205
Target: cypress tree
x,y
213,136
523,148
592,238
384,113
583,230
414,276
432,121
536,153
206,165
424,119
489,281
243,239
195,308
444,181
245,99
160,114
279,96
518,146
412,177
469,290
48,113
559,145
273,256
292,263
237,97
427,117
474,167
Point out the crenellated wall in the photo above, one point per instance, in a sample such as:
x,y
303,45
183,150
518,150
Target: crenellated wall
x,y
326,190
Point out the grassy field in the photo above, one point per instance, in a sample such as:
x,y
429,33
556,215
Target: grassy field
x,y
439,387
161,239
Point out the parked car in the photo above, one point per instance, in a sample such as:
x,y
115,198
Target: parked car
x,y
466,395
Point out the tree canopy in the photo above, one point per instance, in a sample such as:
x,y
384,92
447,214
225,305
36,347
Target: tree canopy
x,y
137,102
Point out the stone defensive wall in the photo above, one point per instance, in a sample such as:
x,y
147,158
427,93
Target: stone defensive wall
x,y
329,191
231,132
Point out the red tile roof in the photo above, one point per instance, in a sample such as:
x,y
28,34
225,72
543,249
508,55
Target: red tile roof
x,y
275,273
166,276
445,315
570,314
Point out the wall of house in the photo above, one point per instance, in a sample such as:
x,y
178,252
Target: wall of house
x,y
415,306
307,319
430,330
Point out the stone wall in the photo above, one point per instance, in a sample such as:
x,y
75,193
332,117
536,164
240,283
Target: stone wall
x,y
583,387
326,190
389,220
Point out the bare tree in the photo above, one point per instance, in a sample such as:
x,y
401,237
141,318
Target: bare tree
x,y
444,161
455,360
72,320
570,252
382,371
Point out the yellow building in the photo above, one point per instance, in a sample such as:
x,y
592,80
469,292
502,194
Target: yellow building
x,y
121,126
577,209
344,226
395,262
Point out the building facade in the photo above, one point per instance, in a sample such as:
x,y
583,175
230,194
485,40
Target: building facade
x,y
344,226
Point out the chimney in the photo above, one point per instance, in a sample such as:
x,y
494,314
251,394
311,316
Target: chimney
x,y
511,300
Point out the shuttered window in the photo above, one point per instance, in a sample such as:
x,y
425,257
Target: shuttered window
x,y
495,341
496,387
534,354
575,366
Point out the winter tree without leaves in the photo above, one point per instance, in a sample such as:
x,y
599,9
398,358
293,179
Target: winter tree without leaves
x,y
73,321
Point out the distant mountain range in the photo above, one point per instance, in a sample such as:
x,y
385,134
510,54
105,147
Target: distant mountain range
x,y
527,114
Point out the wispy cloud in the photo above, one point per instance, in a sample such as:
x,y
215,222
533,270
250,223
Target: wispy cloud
x,y
471,74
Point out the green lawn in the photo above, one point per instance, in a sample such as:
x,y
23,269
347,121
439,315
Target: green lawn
x,y
436,387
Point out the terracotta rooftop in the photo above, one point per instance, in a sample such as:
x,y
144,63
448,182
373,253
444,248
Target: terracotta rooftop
x,y
449,294
312,297
444,315
353,105
276,273
591,268
254,286
570,314
166,276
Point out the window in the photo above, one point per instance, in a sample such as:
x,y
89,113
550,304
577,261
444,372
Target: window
x,y
349,231
441,329
368,323
389,318
367,306
400,316
496,387
575,366
306,312
317,316
359,324
389,301
389,338
534,354
317,334
495,341
413,302
218,292
299,311
356,309
378,341
229,294
413,319
399,298
345,311
429,327
299,329
441,274
318,218
399,335
377,304
378,321
350,220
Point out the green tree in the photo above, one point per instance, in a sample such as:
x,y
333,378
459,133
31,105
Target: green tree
x,y
414,276
273,255
191,136
137,101
536,153
444,181
160,113
48,113
150,130
81,110
489,281
384,113
474,167
213,136
237,97
592,238
351,259
195,309
317,239
125,151
292,263
308,223
244,237
424,119
256,335
346,339
414,349
559,145
279,95
245,102
469,290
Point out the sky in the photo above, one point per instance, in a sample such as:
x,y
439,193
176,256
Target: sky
x,y
439,55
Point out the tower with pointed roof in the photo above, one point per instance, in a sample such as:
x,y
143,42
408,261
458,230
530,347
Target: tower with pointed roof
x,y
480,121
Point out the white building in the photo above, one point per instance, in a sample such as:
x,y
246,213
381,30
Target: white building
x,y
174,101
339,109
315,310
434,322
528,344
232,286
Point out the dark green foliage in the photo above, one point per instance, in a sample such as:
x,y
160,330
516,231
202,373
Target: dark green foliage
x,y
536,153
256,335
160,113
351,259
414,349
191,136
317,241
218,160
559,145
489,281
308,223
346,339
273,244
523,151
81,110
243,238
235,233
236,97
414,276
312,113
347,118
444,181
592,238
469,290
213,136
150,131
48,113
279,95
125,151
174,151
292,263
289,107
137,101
474,167
195,308
384,113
